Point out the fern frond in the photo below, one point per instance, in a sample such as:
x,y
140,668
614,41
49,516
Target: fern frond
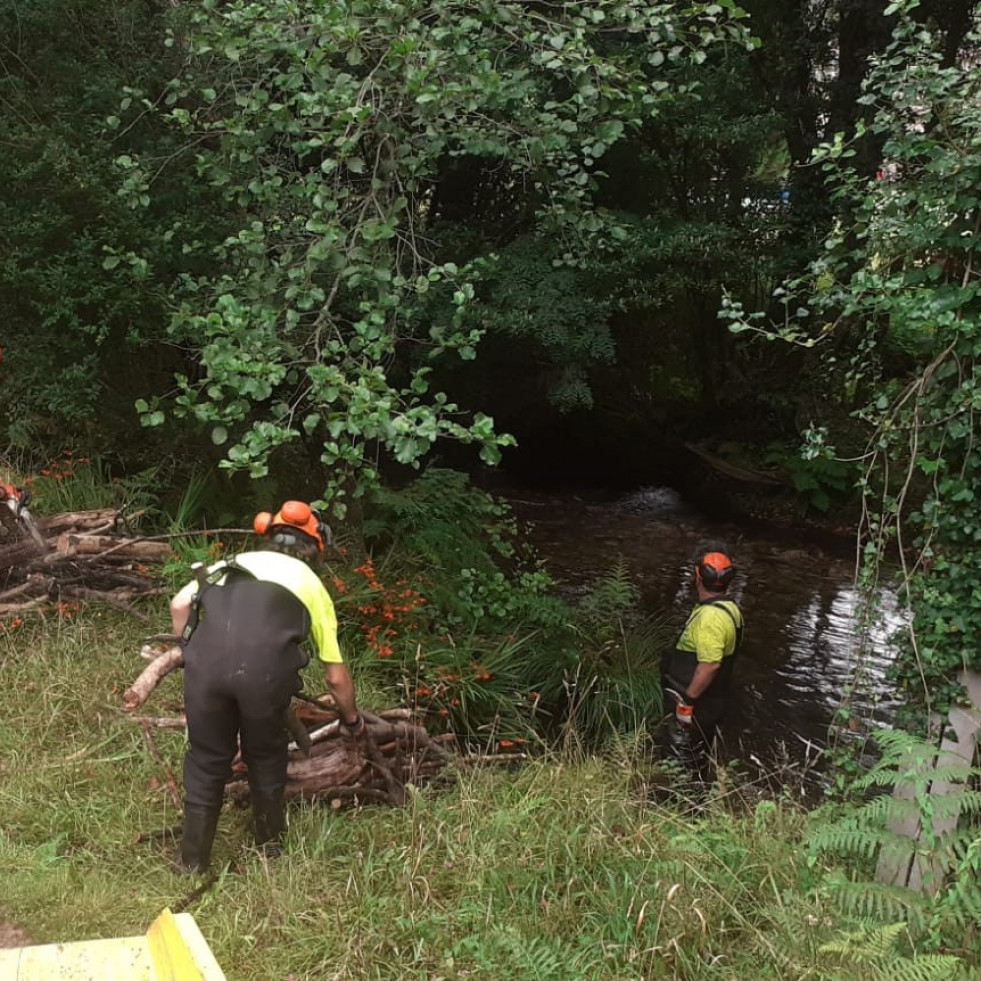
x,y
925,967
960,902
934,798
523,956
887,810
874,951
442,521
969,802
609,602
537,958
877,902
913,763
856,841
961,905
866,945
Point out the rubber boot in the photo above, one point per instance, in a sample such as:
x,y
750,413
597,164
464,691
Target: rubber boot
x,y
200,824
269,812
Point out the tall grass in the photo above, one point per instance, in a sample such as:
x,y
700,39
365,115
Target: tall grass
x,y
561,869
76,483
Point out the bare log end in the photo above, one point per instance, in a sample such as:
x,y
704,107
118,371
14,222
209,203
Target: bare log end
x,y
151,676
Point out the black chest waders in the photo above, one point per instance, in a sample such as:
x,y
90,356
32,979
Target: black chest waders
x,y
206,580
691,744
675,681
209,579
243,659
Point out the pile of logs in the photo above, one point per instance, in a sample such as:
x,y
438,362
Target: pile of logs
x,y
324,762
98,556
75,557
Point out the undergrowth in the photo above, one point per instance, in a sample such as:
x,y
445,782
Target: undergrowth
x,y
560,869
564,868
918,814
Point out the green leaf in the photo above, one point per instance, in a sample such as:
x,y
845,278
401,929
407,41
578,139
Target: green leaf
x,y
316,278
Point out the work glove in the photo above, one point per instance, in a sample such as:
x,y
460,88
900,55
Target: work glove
x,y
684,713
355,729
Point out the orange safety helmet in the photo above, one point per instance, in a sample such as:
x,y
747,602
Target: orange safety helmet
x,y
294,516
715,571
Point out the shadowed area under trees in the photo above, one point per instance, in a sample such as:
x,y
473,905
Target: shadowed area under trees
x,y
356,252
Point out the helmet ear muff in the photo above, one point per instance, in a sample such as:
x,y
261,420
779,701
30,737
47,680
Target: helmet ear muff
x,y
323,529
261,522
715,571
290,537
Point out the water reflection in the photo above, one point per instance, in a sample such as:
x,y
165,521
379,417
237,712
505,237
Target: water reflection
x,y
803,647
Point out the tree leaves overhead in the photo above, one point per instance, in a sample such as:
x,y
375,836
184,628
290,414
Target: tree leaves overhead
x,y
893,300
67,328
328,129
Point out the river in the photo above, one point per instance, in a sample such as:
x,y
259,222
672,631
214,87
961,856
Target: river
x,y
802,645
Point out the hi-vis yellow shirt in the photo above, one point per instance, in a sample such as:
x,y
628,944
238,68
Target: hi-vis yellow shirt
x,y
297,577
712,631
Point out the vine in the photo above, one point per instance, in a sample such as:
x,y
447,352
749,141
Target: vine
x,y
892,306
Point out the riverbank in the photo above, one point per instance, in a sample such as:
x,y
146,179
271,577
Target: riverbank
x,y
562,868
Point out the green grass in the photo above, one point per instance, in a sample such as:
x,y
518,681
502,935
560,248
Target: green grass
x,y
557,871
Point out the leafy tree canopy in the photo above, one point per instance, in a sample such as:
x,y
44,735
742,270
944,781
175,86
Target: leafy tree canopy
x,y
894,304
69,331
328,129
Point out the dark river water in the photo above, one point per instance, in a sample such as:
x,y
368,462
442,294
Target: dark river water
x,y
802,648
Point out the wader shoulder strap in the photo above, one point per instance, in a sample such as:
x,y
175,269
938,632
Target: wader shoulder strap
x,y
737,623
206,579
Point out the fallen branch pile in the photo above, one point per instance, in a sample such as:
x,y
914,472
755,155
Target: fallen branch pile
x,y
394,753
772,478
87,555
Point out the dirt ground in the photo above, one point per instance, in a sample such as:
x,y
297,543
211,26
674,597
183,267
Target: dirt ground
x,y
11,936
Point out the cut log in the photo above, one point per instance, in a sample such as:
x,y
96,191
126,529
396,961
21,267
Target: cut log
x,y
334,763
107,595
156,645
151,676
7,595
155,722
6,609
72,544
55,524
88,556
17,553
337,767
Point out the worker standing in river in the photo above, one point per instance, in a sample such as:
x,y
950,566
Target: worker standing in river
x,y
242,623
696,674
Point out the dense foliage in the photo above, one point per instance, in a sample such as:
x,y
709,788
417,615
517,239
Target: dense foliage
x,y
302,226
330,209
892,305
68,330
914,291
331,133
287,231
